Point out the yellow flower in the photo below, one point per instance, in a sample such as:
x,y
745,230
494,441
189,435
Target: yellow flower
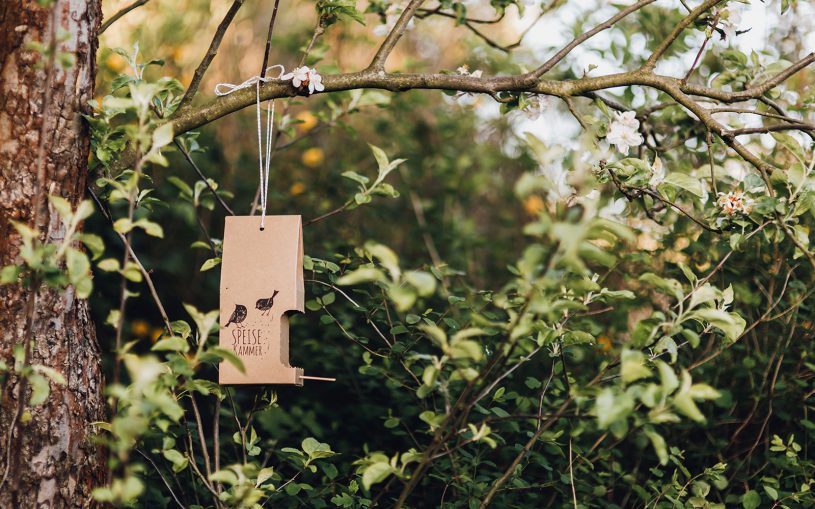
x,y
313,157
115,62
533,204
307,121
297,188
604,343
140,328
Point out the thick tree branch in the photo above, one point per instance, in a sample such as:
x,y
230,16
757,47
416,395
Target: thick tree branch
x,y
211,52
188,118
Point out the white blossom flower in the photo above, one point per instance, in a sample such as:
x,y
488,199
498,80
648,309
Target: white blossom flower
x,y
466,98
305,77
557,182
658,172
735,202
315,81
729,21
613,210
623,131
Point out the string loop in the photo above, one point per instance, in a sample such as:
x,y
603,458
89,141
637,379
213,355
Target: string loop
x,y
222,89
264,142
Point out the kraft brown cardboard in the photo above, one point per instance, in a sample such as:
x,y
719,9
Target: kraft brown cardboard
x,y
261,281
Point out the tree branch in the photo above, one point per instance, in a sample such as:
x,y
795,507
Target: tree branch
x,y
677,31
211,52
113,19
188,118
378,62
577,41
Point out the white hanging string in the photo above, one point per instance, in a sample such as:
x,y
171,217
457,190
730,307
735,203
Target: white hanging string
x,y
264,151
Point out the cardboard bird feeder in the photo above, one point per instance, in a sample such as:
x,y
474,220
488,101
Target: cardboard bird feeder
x,y
261,282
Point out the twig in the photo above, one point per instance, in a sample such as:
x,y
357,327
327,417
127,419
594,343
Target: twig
x,y
577,41
210,54
163,479
677,31
378,62
702,48
200,174
268,47
113,19
144,272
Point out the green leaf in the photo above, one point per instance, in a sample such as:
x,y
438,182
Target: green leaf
x,y
162,136
660,447
402,296
683,181
150,228
264,475
178,460
204,321
751,500
227,355
9,274
632,366
376,473
362,275
171,344
731,324
435,334
315,449
356,177
386,257
611,407
94,243
62,206
667,376
466,349
771,492
424,283
40,389
109,265
210,263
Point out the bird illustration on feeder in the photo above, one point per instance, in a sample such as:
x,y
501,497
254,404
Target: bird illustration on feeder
x,y
238,316
265,305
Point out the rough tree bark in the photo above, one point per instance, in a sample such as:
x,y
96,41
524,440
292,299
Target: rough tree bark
x,y
50,459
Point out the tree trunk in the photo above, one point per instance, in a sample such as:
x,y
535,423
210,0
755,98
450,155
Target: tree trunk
x,y
46,455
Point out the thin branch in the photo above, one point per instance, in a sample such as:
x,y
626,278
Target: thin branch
x,y
144,272
113,19
378,62
772,128
268,48
424,13
198,171
677,31
701,49
577,41
163,479
210,54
